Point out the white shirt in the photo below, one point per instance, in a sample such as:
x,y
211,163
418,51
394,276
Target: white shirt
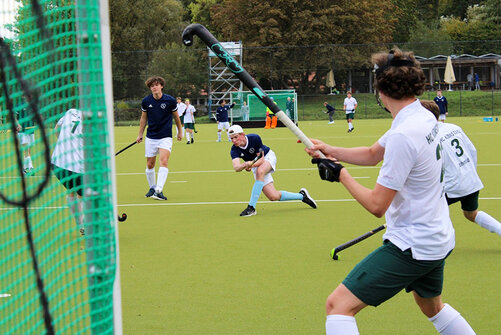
x,y
460,161
418,217
68,153
349,104
188,115
181,107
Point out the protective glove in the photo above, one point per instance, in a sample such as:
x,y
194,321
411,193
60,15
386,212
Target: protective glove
x,y
328,169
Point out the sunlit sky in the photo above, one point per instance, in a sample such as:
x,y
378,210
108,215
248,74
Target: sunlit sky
x,y
8,10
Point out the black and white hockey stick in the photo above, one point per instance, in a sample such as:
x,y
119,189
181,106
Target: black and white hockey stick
x,y
354,241
127,147
243,75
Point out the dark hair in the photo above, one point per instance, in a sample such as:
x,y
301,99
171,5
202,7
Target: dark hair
x,y
154,80
398,74
431,106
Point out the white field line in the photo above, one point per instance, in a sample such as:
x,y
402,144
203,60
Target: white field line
x,y
226,171
165,203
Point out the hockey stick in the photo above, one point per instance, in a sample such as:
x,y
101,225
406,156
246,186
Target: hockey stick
x,y
243,75
127,147
354,241
259,155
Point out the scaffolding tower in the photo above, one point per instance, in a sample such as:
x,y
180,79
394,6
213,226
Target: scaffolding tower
x,y
221,80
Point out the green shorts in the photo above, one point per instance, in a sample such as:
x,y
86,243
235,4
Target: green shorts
x,y
71,180
350,116
189,125
469,202
388,270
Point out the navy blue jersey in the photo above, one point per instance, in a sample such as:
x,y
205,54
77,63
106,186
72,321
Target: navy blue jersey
x,y
159,115
441,103
250,151
222,113
330,108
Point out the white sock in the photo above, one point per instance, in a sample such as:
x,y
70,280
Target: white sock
x,y
449,322
30,163
341,325
188,136
486,221
150,176
350,125
219,136
162,177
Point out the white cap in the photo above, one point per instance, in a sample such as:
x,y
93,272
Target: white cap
x,y
235,129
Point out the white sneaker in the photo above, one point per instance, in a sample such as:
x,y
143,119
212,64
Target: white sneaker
x,y
331,122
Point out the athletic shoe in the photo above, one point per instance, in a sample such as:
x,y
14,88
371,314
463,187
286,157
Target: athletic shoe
x,y
151,191
330,122
159,196
82,231
188,142
349,130
192,140
28,171
249,211
218,140
307,199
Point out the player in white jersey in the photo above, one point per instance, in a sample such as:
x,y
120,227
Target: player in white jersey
x,y
462,183
350,104
189,121
181,108
409,192
68,161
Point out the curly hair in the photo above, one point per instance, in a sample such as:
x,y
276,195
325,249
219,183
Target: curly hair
x,y
398,74
154,80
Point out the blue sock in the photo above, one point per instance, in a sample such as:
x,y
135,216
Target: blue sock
x,y
256,192
290,196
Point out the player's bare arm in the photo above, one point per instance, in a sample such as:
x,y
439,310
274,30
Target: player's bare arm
x,y
142,126
239,165
367,156
375,201
178,125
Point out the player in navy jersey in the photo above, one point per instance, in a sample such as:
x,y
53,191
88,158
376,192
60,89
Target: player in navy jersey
x,y
247,148
158,109
222,119
442,104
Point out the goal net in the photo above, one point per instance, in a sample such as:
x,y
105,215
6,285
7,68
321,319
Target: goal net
x,y
257,110
58,264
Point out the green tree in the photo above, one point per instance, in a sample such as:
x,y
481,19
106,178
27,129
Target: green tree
x,y
137,29
481,25
278,36
429,41
184,70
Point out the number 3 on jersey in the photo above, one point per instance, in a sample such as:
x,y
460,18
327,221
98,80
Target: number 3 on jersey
x,y
455,144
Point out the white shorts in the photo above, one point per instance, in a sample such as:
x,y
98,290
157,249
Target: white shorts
x,y
26,139
272,159
223,125
441,117
151,146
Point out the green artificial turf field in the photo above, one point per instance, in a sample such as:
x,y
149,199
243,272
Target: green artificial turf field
x,y
191,265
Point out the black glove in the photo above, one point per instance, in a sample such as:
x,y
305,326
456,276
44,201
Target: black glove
x,y
328,169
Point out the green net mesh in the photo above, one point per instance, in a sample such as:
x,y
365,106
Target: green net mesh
x,y
257,110
58,227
